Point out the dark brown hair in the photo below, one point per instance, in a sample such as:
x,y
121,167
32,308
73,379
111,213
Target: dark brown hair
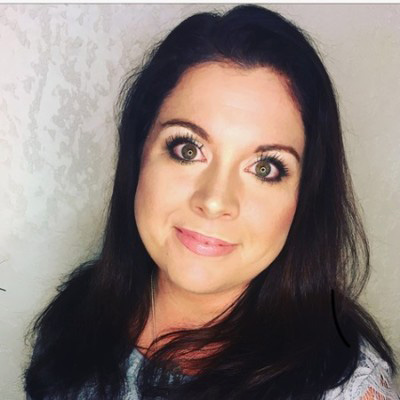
x,y
296,330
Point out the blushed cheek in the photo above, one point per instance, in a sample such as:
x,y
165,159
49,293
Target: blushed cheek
x,y
151,184
285,220
141,194
156,195
289,215
278,222
145,195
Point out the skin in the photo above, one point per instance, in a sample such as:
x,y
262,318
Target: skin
x,y
220,194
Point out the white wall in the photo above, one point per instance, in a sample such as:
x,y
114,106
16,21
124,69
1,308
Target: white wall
x,y
60,71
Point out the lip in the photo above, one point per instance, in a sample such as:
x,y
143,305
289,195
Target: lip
x,y
203,245
208,240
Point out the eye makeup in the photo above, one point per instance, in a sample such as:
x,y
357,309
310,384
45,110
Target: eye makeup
x,y
272,162
198,130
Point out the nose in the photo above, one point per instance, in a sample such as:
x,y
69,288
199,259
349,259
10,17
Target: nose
x,y
217,194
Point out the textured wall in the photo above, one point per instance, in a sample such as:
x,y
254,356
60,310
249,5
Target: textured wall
x,y
60,71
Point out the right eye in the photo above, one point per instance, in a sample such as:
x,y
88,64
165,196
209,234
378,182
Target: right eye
x,y
188,151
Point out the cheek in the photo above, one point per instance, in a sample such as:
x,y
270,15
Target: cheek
x,y
149,189
158,193
273,221
144,201
149,209
286,217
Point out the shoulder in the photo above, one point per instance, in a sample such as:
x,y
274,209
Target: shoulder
x,y
371,380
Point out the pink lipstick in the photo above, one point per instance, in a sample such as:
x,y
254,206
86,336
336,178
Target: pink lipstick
x,y
203,245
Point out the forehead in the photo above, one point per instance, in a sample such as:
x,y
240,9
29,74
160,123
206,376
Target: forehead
x,y
220,97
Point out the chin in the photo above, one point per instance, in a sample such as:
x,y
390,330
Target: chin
x,y
196,281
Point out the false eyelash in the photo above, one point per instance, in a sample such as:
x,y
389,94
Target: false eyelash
x,y
274,159
180,138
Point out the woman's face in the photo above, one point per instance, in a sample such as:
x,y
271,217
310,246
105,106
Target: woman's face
x,y
224,191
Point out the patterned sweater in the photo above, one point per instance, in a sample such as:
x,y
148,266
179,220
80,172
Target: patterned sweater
x,y
371,379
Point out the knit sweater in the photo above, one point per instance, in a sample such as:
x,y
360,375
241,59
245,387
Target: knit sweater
x,y
371,379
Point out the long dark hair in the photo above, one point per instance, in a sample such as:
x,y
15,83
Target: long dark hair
x,y
296,331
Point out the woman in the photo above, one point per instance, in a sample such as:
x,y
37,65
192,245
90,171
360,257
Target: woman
x,y
233,255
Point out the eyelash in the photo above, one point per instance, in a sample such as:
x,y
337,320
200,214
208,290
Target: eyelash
x,y
172,141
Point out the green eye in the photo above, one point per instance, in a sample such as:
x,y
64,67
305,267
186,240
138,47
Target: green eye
x,y
189,151
267,164
264,169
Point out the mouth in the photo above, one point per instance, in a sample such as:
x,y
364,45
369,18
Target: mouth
x,y
203,245
206,240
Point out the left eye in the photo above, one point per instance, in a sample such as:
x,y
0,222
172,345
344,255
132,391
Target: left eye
x,y
266,169
271,168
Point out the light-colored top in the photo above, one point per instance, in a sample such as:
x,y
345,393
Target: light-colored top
x,y
371,379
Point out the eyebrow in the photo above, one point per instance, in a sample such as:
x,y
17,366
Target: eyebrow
x,y
203,134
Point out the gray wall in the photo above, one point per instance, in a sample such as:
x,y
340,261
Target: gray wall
x,y
60,71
